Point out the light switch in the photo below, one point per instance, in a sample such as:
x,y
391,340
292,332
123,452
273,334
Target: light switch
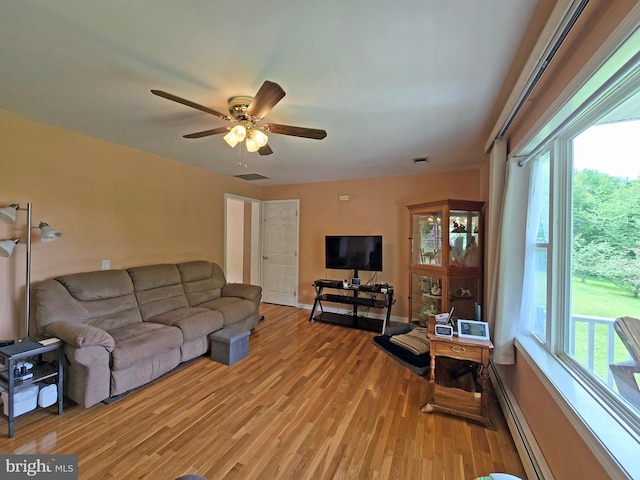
x,y
106,264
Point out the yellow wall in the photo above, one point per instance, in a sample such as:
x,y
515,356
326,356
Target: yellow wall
x,y
110,202
375,206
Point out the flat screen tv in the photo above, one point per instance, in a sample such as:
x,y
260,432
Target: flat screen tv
x,y
353,252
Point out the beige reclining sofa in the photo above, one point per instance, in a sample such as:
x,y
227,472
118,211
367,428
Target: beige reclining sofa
x,y
124,328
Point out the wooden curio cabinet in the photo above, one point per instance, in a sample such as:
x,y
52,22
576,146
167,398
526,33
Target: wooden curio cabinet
x,y
446,264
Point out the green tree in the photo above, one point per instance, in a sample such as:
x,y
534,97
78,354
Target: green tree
x,y
591,259
623,207
624,271
593,193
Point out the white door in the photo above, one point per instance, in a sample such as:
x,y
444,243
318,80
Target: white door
x,y
280,251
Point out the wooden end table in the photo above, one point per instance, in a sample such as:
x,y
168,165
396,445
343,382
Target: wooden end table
x,y
446,398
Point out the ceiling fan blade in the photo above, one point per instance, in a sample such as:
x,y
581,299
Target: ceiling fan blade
x,y
266,150
268,96
206,133
189,103
295,131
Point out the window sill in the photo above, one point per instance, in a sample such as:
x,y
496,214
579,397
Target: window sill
x,y
615,446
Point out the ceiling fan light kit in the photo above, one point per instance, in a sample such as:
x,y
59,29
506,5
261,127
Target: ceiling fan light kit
x,y
248,112
236,135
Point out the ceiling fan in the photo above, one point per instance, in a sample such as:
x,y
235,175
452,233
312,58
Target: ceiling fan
x,y
248,112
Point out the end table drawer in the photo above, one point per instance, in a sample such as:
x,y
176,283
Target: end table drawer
x,y
460,352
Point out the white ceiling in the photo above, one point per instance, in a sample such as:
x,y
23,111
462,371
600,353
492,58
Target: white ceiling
x,y
388,81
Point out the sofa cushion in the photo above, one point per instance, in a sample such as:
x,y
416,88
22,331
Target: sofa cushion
x,y
140,342
202,281
233,309
194,322
158,289
102,284
104,299
55,304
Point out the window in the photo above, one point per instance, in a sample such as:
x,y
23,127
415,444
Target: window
x,y
585,201
541,280
581,258
605,253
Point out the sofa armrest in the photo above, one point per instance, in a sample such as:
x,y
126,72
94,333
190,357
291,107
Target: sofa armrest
x,y
81,335
242,290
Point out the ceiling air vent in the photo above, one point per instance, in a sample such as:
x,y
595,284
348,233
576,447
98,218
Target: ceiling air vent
x,y
420,160
251,176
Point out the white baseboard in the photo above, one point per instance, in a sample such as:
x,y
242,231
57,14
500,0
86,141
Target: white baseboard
x,y
531,456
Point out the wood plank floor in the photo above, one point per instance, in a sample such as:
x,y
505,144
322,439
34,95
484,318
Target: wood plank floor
x,y
312,401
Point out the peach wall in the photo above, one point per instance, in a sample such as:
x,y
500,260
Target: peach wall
x,y
375,206
110,202
552,430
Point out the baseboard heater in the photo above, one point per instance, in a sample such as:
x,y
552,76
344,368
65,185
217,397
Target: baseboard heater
x,y
531,456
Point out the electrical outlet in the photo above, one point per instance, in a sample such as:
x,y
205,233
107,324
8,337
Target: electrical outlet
x,y
106,264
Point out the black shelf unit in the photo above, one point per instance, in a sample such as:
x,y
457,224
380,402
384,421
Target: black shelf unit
x,y
44,372
378,296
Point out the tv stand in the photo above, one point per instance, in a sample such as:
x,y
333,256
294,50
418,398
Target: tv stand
x,y
362,296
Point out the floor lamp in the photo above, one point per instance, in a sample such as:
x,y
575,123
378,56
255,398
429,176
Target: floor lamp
x,y
47,234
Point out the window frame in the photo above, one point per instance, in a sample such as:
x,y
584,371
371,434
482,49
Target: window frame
x,y
609,426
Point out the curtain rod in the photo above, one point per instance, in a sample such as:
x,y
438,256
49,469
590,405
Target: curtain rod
x,y
545,59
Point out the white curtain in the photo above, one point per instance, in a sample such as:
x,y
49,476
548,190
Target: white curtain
x,y
497,170
528,303
508,267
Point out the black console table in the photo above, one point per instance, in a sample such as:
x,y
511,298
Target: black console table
x,y
362,296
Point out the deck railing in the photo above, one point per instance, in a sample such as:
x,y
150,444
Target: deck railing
x,y
595,337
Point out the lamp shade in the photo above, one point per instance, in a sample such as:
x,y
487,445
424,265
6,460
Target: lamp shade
x,y
259,137
255,140
8,214
48,234
7,246
235,136
252,145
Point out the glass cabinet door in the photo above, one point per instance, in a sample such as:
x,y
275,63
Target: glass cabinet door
x,y
426,298
464,235
426,238
463,296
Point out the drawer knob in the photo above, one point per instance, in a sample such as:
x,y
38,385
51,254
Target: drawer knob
x,y
455,349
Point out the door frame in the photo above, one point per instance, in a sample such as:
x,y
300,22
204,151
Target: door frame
x,y
256,235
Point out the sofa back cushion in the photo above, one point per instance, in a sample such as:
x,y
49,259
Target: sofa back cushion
x,y
202,281
158,289
103,299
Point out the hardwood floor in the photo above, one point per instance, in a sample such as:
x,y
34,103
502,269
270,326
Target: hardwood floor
x,y
312,401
